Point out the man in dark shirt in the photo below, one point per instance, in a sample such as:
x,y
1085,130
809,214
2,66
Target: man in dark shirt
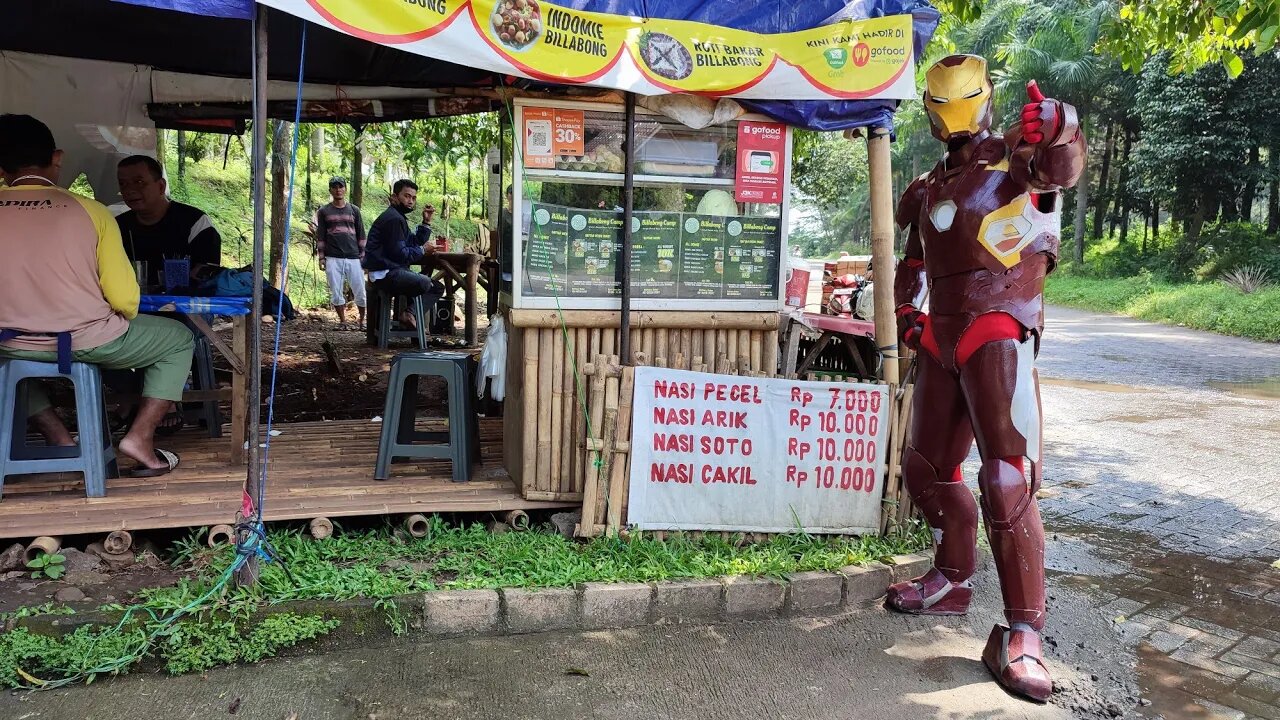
x,y
340,246
392,248
156,228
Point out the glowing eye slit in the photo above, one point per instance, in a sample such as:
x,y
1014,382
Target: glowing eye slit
x,y
973,94
938,100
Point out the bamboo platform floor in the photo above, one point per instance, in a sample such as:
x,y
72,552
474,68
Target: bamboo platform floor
x,y
316,469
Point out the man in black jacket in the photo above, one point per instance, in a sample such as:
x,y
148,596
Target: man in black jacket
x,y
392,248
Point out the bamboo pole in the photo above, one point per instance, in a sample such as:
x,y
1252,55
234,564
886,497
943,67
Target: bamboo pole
x,y
881,172
744,348
556,429
660,348
591,486
579,416
529,406
546,344
771,368
618,473
247,574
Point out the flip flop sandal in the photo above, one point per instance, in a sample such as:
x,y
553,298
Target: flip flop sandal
x,y
168,427
171,459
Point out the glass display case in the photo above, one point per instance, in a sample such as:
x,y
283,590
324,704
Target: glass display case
x,y
708,225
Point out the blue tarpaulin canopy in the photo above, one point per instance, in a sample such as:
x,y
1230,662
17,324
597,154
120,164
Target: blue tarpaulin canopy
x,y
761,16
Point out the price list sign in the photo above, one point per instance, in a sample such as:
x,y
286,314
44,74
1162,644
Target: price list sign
x,y
724,453
751,258
546,251
593,247
655,241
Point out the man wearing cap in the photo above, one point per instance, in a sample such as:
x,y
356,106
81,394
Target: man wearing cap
x,y
340,246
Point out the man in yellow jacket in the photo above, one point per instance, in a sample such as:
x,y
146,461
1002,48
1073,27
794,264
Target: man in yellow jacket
x,y
66,287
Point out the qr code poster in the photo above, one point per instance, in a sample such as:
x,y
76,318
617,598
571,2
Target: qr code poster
x,y
538,127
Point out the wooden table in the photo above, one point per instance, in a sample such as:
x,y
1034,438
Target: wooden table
x,y
851,332
195,310
458,271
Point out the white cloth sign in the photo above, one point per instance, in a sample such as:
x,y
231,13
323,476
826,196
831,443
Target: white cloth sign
x,y
717,452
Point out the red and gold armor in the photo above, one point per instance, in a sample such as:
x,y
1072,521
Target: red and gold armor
x,y
983,232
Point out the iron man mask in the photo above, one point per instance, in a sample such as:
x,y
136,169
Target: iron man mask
x,y
957,95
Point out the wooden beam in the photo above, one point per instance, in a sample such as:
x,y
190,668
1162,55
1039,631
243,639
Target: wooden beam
x,y
605,319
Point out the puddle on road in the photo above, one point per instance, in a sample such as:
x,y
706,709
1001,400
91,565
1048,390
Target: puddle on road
x,y
1139,419
1116,358
1091,385
1258,390
1152,587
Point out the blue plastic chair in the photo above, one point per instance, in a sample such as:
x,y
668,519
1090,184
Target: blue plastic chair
x,y
460,443
97,461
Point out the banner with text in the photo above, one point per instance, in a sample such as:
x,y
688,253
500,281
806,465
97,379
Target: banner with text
x,y
850,59
718,452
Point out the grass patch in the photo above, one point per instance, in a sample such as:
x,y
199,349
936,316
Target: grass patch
x,y
1204,306
377,565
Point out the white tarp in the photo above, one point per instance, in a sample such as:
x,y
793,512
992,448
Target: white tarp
x,y
95,109
717,452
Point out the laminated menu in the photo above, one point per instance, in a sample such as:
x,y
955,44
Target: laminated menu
x,y
546,250
655,240
751,258
702,257
573,253
593,237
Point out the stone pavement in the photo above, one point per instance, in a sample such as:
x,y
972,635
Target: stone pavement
x,y
1162,456
1137,436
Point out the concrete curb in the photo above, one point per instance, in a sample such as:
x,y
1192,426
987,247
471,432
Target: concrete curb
x,y
591,606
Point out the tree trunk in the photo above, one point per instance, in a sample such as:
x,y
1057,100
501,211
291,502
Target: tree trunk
x,y
1082,212
160,146
1100,203
1122,192
1254,171
1273,200
279,185
311,167
470,165
1190,243
357,168
182,154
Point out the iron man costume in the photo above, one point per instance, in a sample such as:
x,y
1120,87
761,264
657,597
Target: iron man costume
x,y
983,234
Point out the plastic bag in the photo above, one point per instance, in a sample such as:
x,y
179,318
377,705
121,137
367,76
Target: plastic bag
x,y
493,361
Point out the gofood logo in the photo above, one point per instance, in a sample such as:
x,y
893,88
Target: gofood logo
x,y
861,54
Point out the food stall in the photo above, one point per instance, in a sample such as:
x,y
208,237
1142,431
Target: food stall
x,y
707,240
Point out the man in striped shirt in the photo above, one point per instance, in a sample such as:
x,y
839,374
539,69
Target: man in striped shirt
x,y
340,248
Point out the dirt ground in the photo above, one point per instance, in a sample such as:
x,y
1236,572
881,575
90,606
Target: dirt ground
x,y
309,388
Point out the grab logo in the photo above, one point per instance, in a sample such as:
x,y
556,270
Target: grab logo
x,y
861,54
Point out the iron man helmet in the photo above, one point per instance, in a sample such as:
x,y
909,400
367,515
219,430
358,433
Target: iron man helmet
x,y
957,95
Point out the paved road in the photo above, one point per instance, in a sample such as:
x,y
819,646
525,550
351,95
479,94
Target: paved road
x,y
1137,437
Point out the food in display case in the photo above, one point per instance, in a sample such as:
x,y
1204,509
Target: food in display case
x,y
678,156
518,23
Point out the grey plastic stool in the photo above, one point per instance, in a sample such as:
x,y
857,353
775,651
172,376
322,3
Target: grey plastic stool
x,y
460,443
384,309
97,460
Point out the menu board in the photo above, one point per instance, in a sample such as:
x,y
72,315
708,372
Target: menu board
x,y
702,257
594,236
572,252
546,250
751,258
655,241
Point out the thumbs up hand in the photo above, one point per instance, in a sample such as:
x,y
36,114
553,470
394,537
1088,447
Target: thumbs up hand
x,y
1041,117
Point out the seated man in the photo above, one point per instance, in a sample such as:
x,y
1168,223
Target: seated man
x,y
392,248
66,277
156,227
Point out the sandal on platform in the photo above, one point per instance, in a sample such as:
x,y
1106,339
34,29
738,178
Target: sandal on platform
x,y
930,594
170,459
1016,660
